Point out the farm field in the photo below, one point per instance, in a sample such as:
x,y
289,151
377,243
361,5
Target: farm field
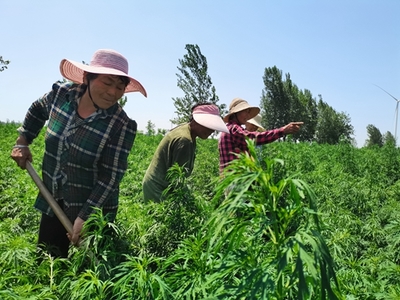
x,y
304,221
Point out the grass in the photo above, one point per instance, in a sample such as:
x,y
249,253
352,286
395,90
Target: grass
x,y
307,221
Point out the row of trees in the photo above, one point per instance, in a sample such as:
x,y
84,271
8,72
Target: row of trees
x,y
281,102
376,138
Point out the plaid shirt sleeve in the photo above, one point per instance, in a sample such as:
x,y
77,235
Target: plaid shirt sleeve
x,y
36,116
232,143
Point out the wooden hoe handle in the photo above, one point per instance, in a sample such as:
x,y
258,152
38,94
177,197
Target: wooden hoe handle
x,y
49,198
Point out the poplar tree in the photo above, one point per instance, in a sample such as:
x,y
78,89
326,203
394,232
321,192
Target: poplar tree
x,y
195,83
388,138
283,102
332,127
275,103
375,137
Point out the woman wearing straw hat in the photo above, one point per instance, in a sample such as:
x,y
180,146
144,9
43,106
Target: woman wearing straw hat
x,y
87,142
235,142
254,124
179,146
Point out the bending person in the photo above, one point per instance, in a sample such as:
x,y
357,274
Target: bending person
x,y
179,146
254,124
87,142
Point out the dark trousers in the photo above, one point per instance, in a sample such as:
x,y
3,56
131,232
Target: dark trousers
x,y
53,236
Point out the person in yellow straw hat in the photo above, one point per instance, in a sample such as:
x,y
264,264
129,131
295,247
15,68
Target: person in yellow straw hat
x,y
254,124
87,142
234,142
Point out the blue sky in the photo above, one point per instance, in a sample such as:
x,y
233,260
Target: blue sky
x,y
337,49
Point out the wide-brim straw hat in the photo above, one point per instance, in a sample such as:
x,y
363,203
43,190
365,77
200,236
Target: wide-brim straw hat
x,y
208,116
257,122
238,105
104,61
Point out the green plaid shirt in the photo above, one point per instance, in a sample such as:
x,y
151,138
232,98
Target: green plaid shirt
x,y
84,159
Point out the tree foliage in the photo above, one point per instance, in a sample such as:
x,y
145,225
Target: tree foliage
x,y
375,137
3,64
332,126
150,128
389,139
309,115
283,102
195,83
275,103
162,131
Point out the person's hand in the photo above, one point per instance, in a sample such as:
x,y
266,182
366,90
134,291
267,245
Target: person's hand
x,y
292,127
20,154
76,231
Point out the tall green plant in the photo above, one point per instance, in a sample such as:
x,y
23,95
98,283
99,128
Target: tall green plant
x,y
177,217
138,278
274,222
263,241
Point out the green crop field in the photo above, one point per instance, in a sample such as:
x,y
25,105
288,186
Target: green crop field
x,y
303,221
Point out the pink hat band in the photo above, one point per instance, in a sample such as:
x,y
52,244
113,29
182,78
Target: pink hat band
x,y
208,116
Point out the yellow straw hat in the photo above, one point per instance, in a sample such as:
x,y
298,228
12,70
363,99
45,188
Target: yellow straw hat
x,y
257,122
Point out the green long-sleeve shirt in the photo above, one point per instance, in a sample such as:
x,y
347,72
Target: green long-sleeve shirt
x,y
176,147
